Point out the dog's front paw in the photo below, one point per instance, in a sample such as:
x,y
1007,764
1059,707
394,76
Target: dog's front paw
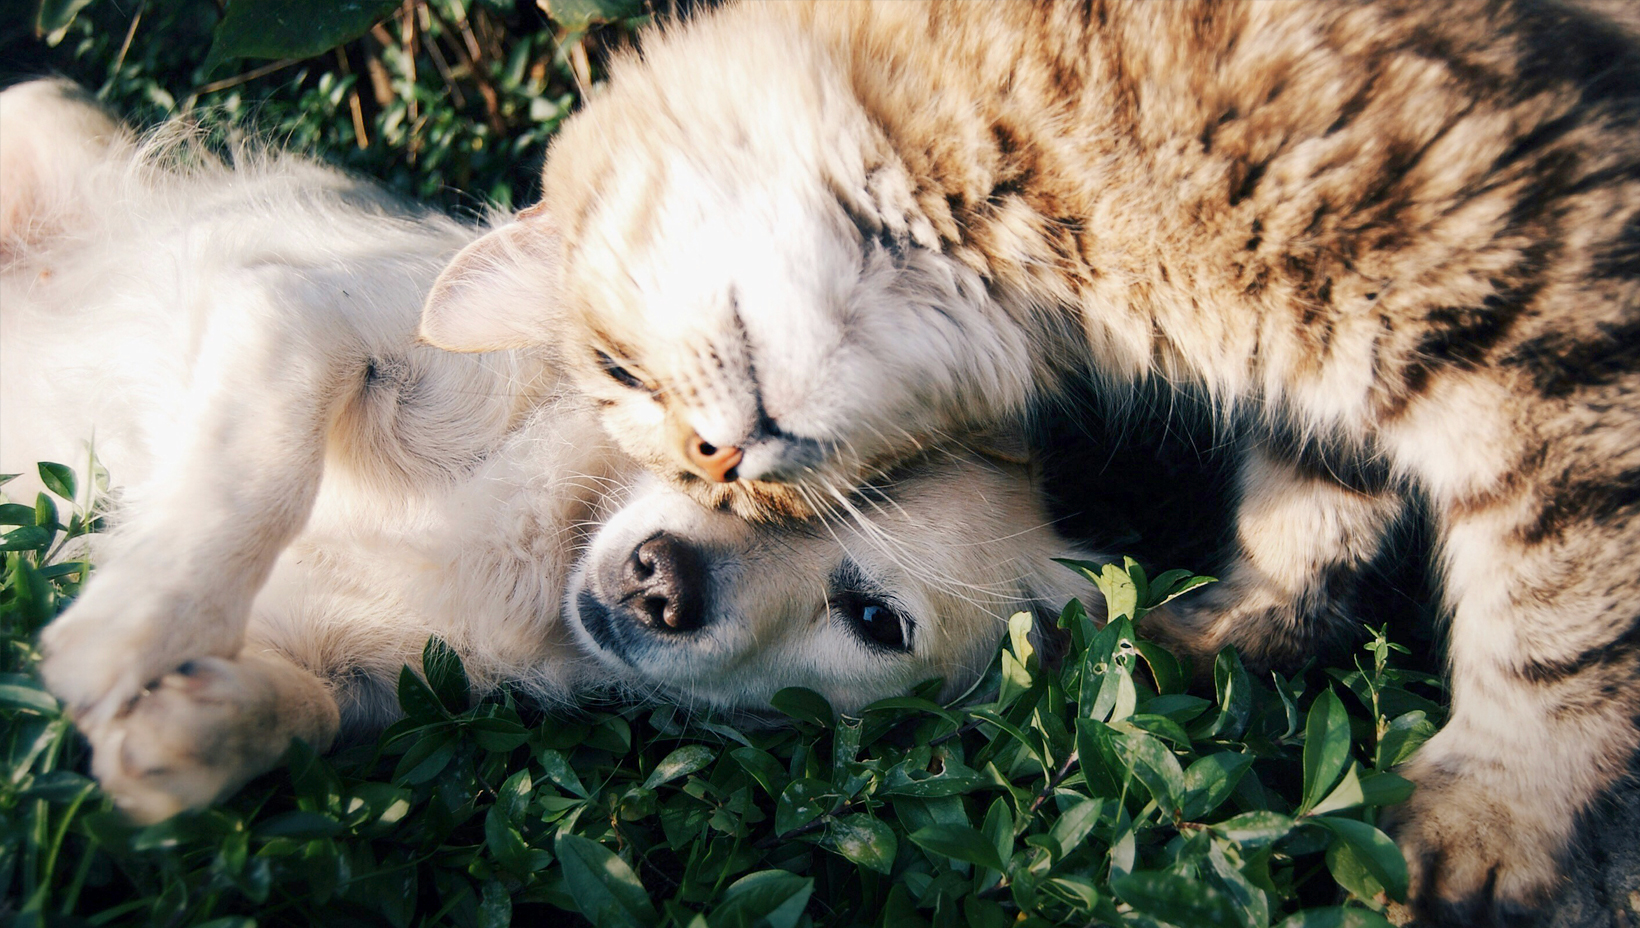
x,y
202,731
126,630
1477,854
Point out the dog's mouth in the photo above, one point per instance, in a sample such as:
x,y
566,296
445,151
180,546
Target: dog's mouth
x,y
602,626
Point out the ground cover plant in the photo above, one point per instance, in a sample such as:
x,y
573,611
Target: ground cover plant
x,y
1096,792
1102,790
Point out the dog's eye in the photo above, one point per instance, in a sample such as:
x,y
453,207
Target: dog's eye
x,y
877,623
618,373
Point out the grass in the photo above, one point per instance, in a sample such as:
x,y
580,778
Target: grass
x,y
1101,791
1097,792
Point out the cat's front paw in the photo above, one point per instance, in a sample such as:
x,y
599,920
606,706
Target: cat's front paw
x,y
1477,855
203,730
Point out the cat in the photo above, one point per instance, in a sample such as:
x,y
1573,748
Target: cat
x,y
792,243
306,494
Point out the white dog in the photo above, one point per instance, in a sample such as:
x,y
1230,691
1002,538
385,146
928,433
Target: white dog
x,y
308,493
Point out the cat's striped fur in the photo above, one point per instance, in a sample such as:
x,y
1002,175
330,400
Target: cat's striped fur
x,y
1402,238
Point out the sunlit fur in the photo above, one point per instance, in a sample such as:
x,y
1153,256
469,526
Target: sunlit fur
x,y
1398,237
305,494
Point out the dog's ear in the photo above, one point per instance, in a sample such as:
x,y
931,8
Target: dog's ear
x,y
52,136
499,292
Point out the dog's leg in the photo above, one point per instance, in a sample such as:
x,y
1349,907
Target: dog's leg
x,y
1302,542
203,730
236,477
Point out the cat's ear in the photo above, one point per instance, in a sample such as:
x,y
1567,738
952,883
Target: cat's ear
x,y
499,292
1005,443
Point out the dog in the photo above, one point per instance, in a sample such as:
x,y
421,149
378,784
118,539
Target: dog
x,y
307,492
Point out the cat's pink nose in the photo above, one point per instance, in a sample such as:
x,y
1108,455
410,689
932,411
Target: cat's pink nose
x,y
710,461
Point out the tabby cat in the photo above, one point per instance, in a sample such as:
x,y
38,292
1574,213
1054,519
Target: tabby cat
x,y
797,242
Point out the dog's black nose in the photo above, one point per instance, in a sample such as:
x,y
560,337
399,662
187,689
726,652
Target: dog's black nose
x,y
662,584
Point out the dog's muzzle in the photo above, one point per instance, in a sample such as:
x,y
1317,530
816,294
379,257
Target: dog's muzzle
x,y
659,594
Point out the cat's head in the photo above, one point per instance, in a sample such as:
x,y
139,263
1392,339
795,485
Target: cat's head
x,y
730,260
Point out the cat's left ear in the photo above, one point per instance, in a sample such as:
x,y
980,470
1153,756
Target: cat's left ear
x,y
499,292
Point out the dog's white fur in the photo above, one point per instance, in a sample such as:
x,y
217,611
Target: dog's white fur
x,y
308,493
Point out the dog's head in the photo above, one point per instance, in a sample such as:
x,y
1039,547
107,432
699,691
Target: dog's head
x,y
696,606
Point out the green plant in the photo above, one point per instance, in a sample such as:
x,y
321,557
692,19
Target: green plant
x,y
1099,791
448,101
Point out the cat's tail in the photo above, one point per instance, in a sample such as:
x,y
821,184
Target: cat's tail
x,y
53,139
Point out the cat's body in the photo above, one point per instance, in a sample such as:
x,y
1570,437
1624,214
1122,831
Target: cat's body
x,y
800,241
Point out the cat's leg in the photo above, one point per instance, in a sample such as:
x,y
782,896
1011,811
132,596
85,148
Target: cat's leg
x,y
238,469
201,731
1288,588
1545,653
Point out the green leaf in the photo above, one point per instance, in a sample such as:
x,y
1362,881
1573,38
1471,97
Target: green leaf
x,y
1376,852
54,18
495,906
1107,673
1156,767
1405,735
777,897
1385,789
1121,596
604,888
954,780
864,840
427,758
1255,829
299,825
1337,917
804,705
1075,824
1235,696
960,842
1326,747
14,514
20,692
1211,780
445,675
1193,583
560,772
291,29
514,795
579,15
999,828
680,763
58,479
26,538
506,842
801,802
763,767
1164,667
1346,795
417,699
1176,899
1102,769
1350,872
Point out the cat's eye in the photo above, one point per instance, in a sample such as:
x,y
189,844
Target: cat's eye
x,y
618,373
877,623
